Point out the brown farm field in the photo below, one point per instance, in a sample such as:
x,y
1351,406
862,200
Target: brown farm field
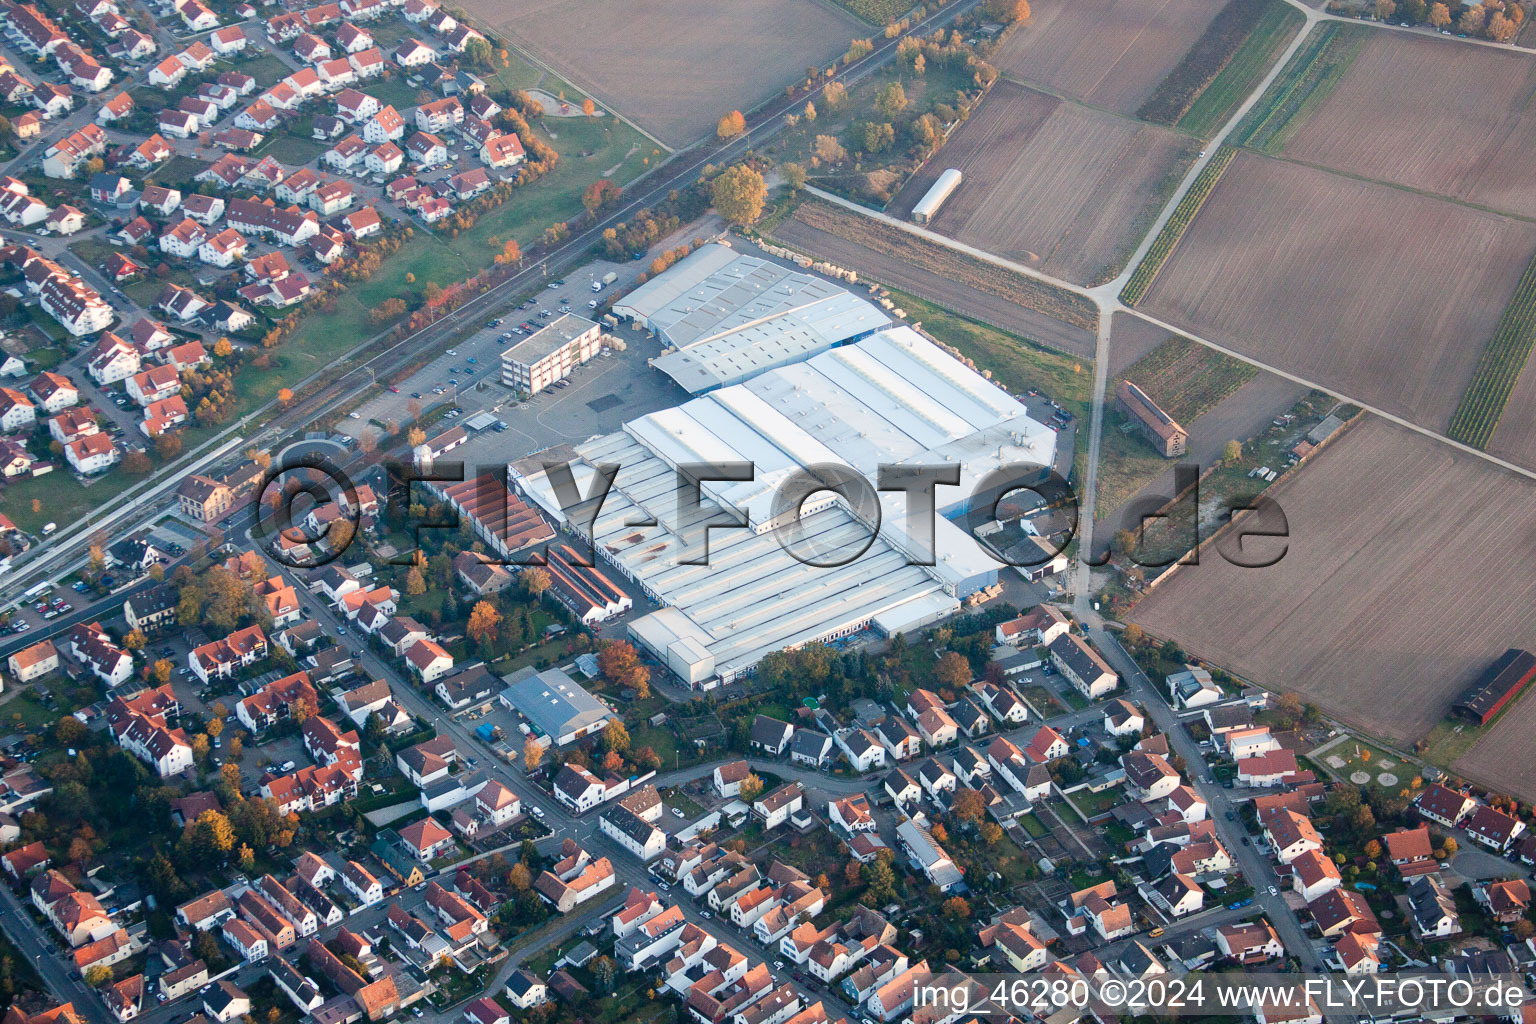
x,y
1515,437
699,60
1052,183
957,281
1429,114
1407,572
1109,53
1502,759
1383,295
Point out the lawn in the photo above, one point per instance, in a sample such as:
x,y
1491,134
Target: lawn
x,y
1093,804
59,497
1126,465
29,711
661,741
1450,740
1031,824
267,69
290,149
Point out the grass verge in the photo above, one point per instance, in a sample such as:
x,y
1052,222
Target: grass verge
x,y
1224,38
1162,247
1306,82
1215,103
958,266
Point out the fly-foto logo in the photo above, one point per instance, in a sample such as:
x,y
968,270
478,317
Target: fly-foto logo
x,y
309,514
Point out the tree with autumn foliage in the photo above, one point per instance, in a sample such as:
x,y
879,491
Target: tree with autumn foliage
x,y
483,622
601,193
535,580
731,125
1009,12
751,787
968,806
739,193
533,753
953,670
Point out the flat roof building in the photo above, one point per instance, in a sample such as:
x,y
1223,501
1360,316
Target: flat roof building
x,y
728,317
892,398
555,705
549,354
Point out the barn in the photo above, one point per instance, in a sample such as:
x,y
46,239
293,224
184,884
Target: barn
x,y
1497,686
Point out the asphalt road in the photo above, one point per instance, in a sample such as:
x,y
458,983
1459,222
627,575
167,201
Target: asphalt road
x,y
627,870
683,169
1247,856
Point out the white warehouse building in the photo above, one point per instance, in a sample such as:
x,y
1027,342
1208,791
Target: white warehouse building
x,y
723,317
892,398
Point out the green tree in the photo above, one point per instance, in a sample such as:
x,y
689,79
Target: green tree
x,y
878,136
479,53
793,175
616,737
891,101
880,884
604,970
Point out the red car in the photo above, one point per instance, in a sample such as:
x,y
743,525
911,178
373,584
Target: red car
x,y
394,391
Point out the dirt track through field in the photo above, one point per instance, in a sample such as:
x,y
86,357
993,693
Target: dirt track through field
x,y
1051,183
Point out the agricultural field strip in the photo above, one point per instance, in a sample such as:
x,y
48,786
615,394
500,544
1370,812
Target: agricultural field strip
x,y
1366,406
1105,296
1093,294
1499,368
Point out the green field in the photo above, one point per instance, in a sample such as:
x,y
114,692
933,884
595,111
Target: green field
x,y
1304,83
1162,247
1499,367
60,498
1210,110
877,12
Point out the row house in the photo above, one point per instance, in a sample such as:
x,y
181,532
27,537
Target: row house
x,y
289,226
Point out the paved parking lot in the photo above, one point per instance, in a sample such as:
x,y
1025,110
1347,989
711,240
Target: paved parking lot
x,y
475,362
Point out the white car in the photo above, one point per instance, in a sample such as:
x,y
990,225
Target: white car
x,y
1273,891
